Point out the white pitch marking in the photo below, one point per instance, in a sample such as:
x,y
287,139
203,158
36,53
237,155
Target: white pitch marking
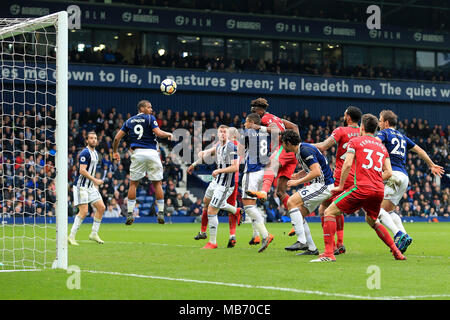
x,y
342,295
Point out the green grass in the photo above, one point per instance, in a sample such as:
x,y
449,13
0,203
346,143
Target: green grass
x,y
170,252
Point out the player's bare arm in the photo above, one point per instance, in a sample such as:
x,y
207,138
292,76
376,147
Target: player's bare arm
x,y
201,155
346,167
119,136
271,128
290,125
162,134
435,169
234,167
298,175
387,169
326,144
86,174
312,174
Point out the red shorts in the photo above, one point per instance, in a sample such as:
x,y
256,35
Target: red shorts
x,y
232,198
288,163
354,198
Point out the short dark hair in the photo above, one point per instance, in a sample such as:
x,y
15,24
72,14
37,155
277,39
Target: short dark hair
x,y
254,117
354,113
369,122
259,103
291,137
142,104
389,116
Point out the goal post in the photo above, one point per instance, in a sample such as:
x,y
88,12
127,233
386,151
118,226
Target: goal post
x,y
33,142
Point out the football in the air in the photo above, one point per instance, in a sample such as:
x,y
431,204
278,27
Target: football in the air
x,y
168,86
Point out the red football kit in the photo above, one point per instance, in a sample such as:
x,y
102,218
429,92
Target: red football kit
x,y
368,189
342,136
288,160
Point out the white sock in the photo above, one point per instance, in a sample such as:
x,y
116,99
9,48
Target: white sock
x,y
76,225
228,207
256,216
96,225
160,205
386,219
130,205
213,223
255,230
297,222
397,220
309,239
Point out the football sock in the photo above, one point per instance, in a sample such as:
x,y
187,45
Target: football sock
x,y
268,180
160,205
130,205
213,222
384,235
256,216
228,207
297,223
340,230
329,229
96,225
232,221
204,221
386,219
397,220
309,239
76,225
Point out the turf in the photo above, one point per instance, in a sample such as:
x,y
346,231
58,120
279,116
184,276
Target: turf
x,y
150,261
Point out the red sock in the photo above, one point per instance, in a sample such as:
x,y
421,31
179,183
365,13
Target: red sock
x,y
384,235
329,229
204,221
232,221
340,229
285,200
268,180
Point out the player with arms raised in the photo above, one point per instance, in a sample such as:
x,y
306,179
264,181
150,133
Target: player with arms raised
x,y
340,137
85,191
397,145
219,189
143,130
372,167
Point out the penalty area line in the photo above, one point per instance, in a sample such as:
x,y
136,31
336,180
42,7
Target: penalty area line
x,y
293,290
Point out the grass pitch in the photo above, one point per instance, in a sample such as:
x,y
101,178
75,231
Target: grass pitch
x,y
151,261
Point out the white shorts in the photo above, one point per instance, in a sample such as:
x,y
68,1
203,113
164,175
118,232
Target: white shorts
x,y
252,181
314,194
218,194
83,195
394,193
146,161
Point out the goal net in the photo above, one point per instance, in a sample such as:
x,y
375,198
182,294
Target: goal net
x,y
33,142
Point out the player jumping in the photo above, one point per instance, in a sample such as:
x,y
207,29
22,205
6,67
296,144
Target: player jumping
x,y
143,130
85,191
233,219
397,145
372,167
256,144
282,163
317,173
223,184
341,136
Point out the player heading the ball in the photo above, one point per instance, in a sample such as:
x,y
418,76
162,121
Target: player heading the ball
x,y
143,131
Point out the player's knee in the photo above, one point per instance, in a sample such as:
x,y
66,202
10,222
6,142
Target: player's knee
x,y
281,194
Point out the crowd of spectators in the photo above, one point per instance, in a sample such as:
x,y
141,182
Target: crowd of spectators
x,y
27,161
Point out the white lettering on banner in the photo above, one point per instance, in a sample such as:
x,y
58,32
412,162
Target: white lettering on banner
x,y
185,21
418,36
328,30
284,27
140,17
245,25
385,35
324,86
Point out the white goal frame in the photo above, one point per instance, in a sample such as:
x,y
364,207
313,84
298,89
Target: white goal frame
x,y
61,133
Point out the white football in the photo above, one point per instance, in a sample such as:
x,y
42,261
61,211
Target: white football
x,y
168,86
